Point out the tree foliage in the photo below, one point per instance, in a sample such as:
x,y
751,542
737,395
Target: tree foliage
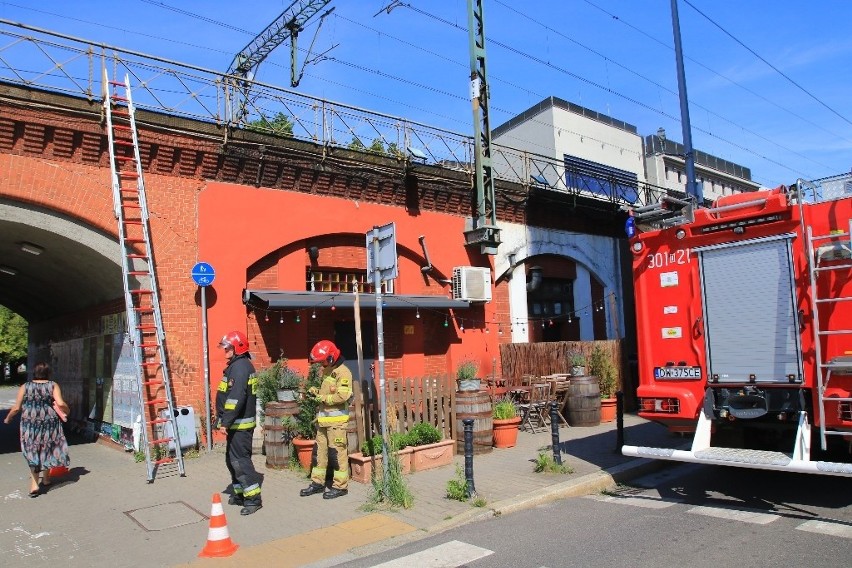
x,y
280,125
13,336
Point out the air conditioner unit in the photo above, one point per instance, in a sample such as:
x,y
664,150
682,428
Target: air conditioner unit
x,y
472,283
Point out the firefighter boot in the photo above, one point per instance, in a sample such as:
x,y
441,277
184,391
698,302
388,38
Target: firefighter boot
x,y
312,489
251,506
334,492
236,499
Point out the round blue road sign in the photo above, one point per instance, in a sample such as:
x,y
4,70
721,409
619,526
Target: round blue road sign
x,y
203,274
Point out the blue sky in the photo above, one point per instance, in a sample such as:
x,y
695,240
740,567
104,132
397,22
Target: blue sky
x,y
612,56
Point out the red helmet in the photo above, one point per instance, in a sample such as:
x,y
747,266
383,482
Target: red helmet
x,y
237,340
324,352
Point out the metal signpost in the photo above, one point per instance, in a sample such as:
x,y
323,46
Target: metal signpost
x,y
203,275
381,264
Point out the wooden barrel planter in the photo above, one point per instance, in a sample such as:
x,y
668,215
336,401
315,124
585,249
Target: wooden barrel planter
x,y
583,404
475,405
274,440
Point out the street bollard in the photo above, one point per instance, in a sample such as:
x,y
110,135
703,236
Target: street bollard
x,y
554,432
468,457
619,421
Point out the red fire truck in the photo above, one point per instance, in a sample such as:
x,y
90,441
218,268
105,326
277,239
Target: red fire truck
x,y
744,322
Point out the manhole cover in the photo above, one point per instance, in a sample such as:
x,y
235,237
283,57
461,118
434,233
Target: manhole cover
x,y
165,516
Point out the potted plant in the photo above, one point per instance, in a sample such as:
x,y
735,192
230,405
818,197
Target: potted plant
x,y
428,450
601,366
578,365
268,381
506,422
369,459
289,381
466,376
306,425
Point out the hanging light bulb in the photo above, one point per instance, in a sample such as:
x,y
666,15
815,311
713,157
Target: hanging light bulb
x,y
550,323
569,319
417,315
446,323
298,318
461,326
542,324
266,319
487,329
314,314
500,329
282,318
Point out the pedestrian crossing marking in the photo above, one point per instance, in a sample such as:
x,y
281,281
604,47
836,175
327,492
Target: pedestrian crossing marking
x,y
741,515
451,554
831,528
647,502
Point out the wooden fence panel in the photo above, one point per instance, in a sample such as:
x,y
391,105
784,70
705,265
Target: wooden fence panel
x,y
545,358
409,401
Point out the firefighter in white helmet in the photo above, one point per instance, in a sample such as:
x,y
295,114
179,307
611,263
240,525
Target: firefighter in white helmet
x,y
333,415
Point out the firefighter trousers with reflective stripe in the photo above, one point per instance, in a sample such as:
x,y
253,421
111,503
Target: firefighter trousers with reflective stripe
x,y
332,439
244,477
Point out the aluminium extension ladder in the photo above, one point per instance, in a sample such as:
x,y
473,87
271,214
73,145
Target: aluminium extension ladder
x,y
144,320
835,246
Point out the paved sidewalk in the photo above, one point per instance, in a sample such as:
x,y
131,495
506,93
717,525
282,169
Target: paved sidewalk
x,y
105,514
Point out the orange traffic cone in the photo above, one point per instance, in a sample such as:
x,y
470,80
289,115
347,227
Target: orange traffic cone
x,y
218,540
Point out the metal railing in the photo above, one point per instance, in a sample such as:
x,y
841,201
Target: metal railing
x,y
42,59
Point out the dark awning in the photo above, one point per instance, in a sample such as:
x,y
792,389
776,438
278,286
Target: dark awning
x,y
281,299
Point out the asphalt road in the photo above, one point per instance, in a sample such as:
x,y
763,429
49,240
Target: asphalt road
x,y
700,516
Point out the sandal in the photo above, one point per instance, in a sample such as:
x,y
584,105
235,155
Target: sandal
x,y
35,493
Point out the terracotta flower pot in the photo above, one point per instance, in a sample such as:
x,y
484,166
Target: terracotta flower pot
x,y
430,456
361,466
608,409
506,431
304,451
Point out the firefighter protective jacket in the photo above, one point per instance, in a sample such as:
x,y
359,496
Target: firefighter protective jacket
x,y
236,399
334,395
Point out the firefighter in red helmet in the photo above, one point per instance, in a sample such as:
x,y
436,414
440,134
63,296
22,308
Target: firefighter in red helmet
x,y
236,413
332,416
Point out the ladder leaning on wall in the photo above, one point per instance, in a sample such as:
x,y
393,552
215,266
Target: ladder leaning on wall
x,y
159,432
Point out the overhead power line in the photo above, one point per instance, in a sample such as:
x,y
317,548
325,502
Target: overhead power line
x,y
750,50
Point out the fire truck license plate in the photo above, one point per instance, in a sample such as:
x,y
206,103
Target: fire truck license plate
x,y
677,372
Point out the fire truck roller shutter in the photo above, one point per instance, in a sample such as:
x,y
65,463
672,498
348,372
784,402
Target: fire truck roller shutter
x,y
751,321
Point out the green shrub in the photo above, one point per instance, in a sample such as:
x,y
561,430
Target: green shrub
x,y
545,463
504,409
373,446
601,366
306,419
467,371
423,433
457,486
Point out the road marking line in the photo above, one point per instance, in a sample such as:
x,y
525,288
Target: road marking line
x,y
646,502
448,555
741,515
831,528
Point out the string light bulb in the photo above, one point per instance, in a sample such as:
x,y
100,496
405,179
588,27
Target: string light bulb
x,y
314,314
298,318
417,315
500,329
282,318
461,325
333,307
446,323
266,319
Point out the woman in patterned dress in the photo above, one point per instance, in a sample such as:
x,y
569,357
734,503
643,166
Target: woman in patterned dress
x,y
42,439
